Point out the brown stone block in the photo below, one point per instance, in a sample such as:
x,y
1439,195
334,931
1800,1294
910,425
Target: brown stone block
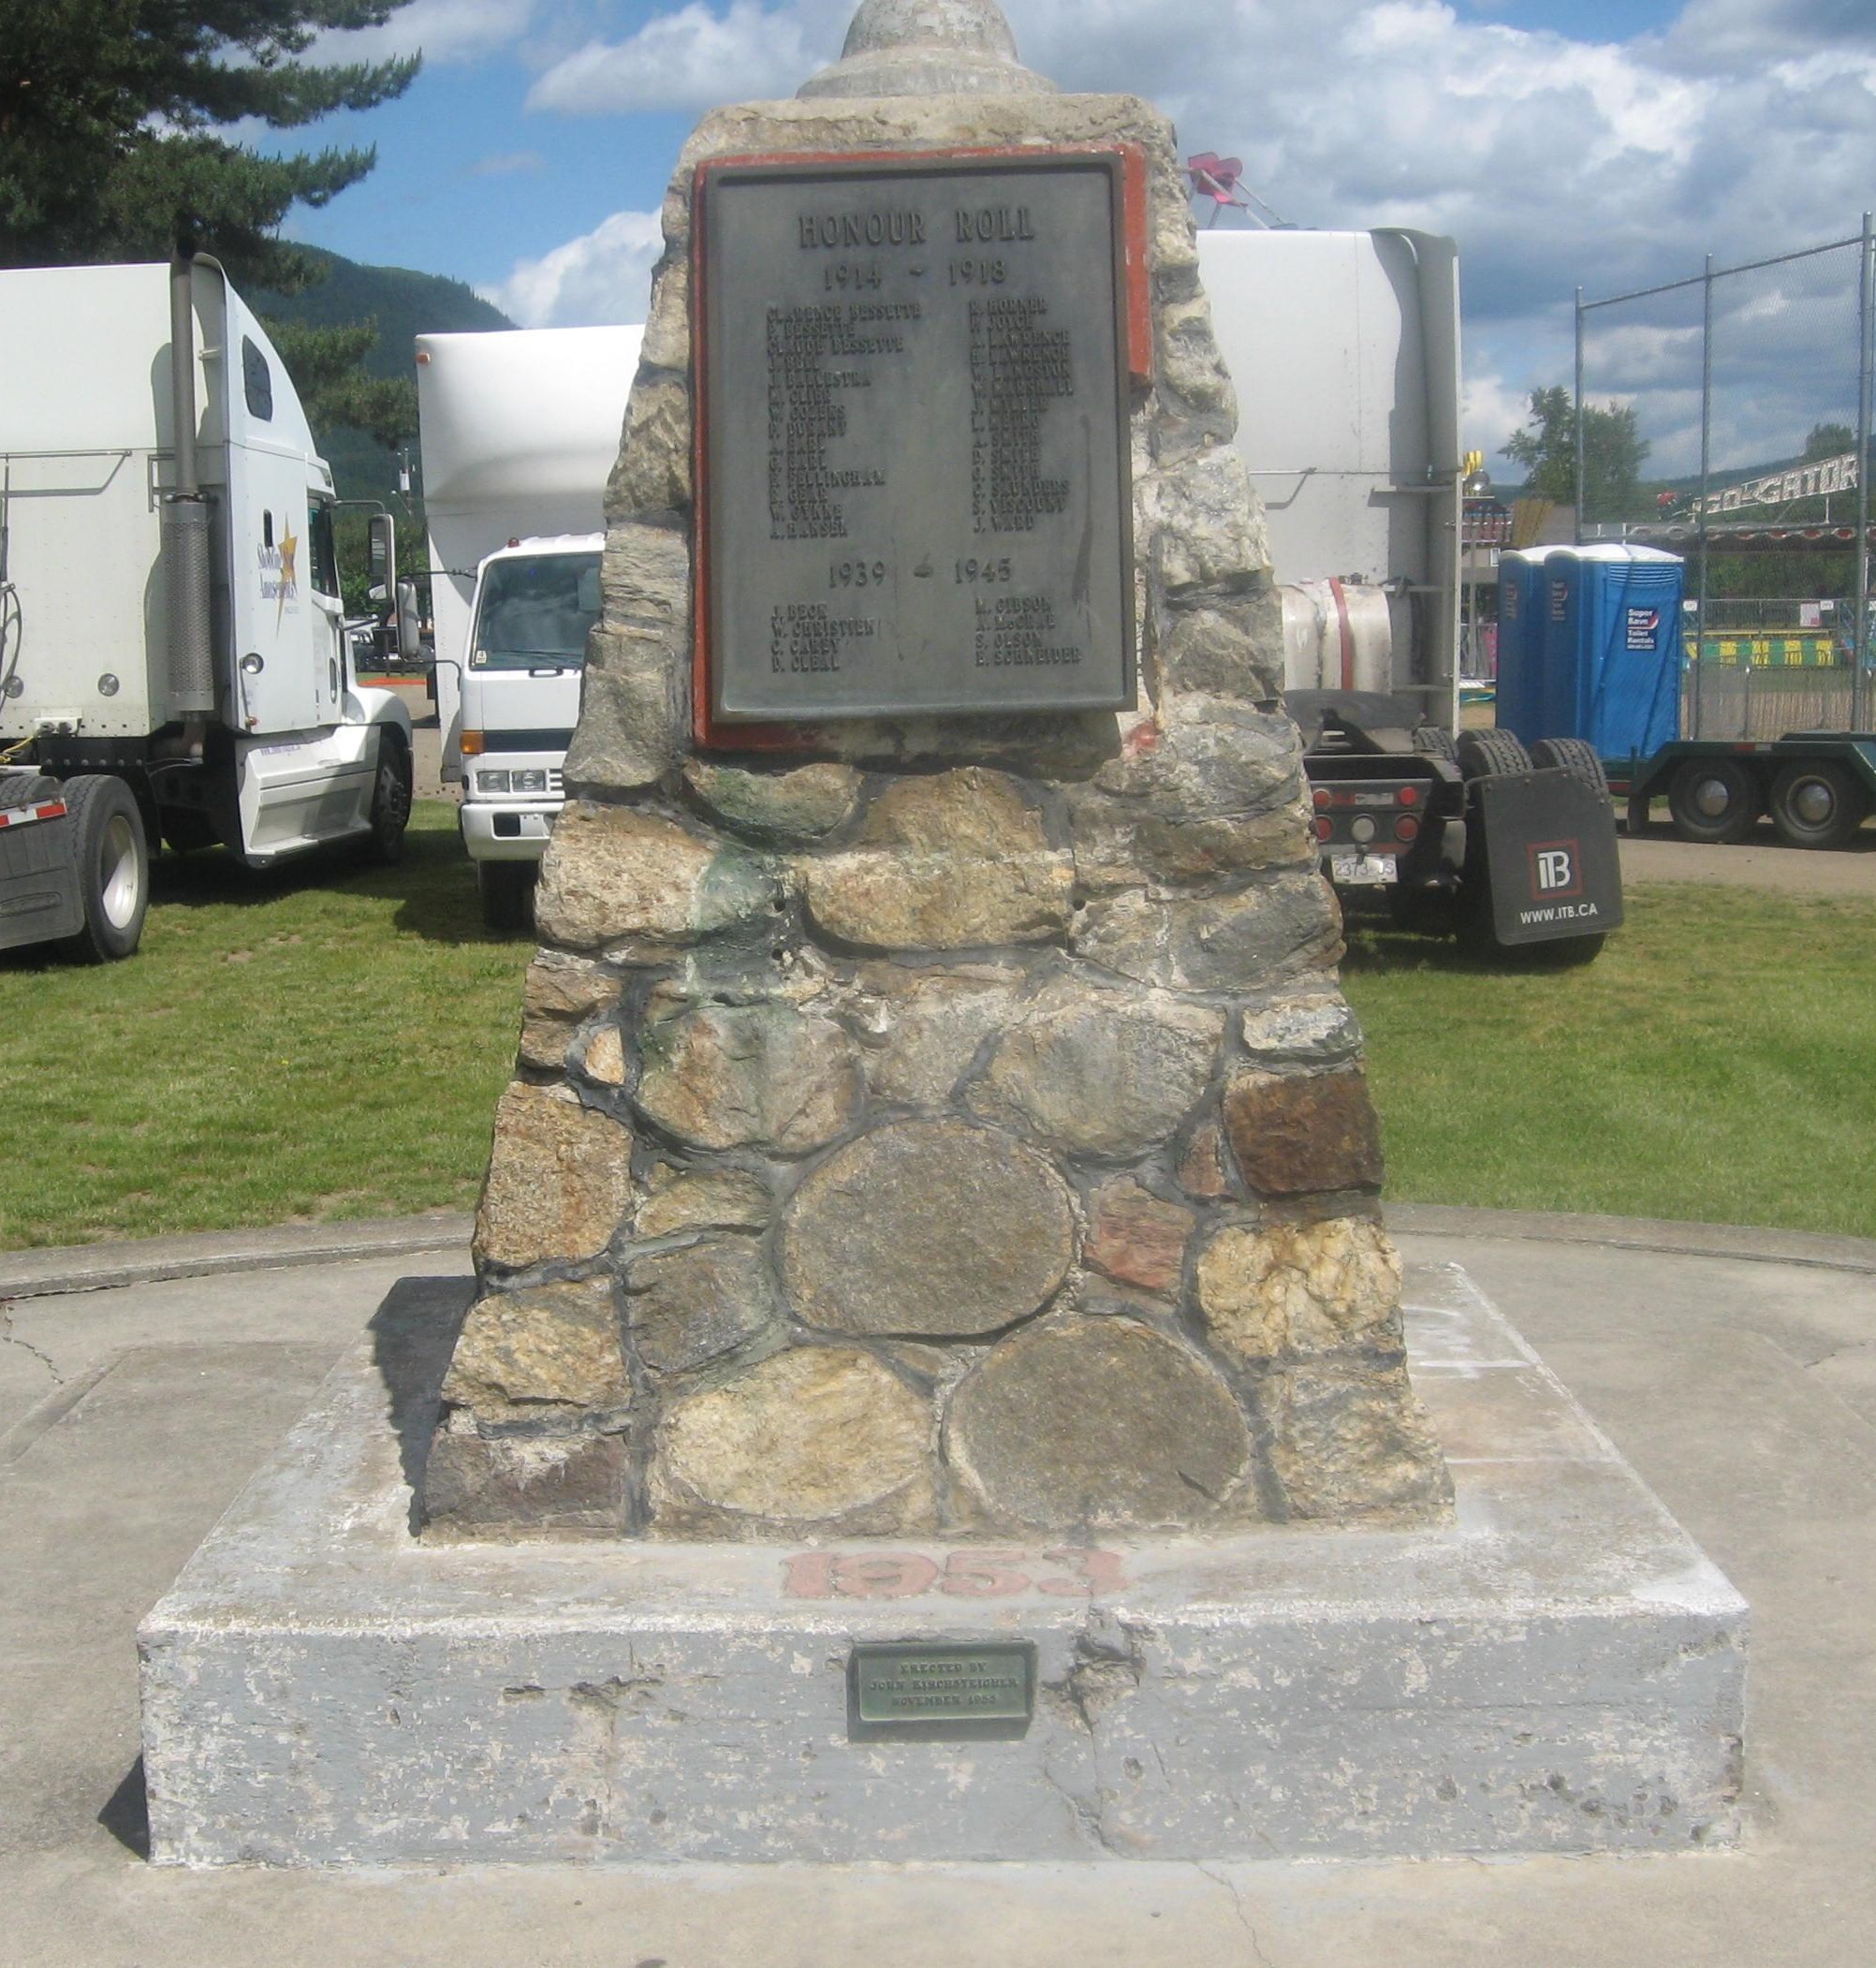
x,y
1100,1072
762,1075
970,811
798,805
1201,1170
1293,1135
616,875
550,1345
1350,1442
1221,943
1135,1238
558,1181
931,1228
882,898
710,1198
689,1306
925,1027
632,713
820,1440
507,1487
1096,1424
1286,1288
654,471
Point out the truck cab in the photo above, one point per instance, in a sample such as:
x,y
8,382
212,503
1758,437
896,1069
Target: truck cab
x,y
535,603
173,642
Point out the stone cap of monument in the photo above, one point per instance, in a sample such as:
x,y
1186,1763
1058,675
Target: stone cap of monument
x,y
928,47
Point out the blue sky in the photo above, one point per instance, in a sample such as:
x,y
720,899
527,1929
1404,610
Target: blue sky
x,y
1606,142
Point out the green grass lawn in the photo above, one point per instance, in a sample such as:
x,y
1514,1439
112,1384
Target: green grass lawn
x,y
326,1040
1716,1064
329,1041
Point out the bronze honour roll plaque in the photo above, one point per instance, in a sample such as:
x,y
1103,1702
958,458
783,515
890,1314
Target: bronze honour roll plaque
x,y
914,437
940,1690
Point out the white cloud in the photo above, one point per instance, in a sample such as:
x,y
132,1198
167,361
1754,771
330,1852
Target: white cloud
x,y
694,58
600,279
1745,129
443,29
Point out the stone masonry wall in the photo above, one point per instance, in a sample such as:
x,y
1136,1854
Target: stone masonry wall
x,y
955,1127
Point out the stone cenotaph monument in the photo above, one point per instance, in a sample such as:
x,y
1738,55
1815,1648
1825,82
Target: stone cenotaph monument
x,y
936,1111
936,1384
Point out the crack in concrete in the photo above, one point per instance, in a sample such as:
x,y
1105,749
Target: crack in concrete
x,y
9,1337
1238,1907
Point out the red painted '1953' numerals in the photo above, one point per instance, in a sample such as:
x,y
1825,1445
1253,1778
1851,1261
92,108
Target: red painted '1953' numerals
x,y
963,1575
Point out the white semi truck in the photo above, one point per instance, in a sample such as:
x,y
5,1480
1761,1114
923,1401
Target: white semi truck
x,y
174,661
1345,348
519,433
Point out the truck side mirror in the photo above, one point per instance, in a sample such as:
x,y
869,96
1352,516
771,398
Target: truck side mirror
x,y
383,555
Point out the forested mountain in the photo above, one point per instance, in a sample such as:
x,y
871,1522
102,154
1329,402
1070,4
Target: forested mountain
x,y
404,304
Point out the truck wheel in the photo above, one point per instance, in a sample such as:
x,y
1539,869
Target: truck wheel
x,y
1433,742
1574,755
1483,753
390,797
508,892
1816,805
113,868
1714,800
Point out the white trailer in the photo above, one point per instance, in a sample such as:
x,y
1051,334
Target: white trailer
x,y
519,434
1345,348
173,657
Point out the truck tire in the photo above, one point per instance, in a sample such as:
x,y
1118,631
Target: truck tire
x,y
113,868
390,797
1574,755
1816,805
508,892
1714,800
1433,742
1484,754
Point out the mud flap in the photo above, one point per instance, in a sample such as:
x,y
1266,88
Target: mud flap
x,y
40,901
1549,846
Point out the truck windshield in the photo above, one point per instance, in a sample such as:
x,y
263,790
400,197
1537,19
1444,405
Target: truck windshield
x,y
534,611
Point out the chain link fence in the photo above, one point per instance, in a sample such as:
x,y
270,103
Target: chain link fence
x,y
1727,418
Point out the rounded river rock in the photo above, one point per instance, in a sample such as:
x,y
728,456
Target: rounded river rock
x,y
816,1435
1097,1422
927,1229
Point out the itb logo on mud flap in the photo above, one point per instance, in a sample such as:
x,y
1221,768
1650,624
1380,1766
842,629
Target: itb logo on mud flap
x,y
1556,870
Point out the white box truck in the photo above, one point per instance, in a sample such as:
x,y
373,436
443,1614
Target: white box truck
x,y
518,432
174,661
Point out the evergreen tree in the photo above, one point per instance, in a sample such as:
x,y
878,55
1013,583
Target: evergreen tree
x,y
112,115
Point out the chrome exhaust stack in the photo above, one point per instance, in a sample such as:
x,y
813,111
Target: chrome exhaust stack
x,y
187,575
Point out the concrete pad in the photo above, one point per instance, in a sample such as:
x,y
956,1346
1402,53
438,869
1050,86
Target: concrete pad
x,y
1560,1670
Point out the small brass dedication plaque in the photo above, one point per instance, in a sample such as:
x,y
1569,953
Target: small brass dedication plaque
x,y
941,1691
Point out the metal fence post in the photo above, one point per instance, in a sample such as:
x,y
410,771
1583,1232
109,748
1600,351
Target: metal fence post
x,y
1866,361
1705,466
1576,420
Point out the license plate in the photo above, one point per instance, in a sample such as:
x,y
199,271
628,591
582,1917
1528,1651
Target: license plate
x,y
1356,871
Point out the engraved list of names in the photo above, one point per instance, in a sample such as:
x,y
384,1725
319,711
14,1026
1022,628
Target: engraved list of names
x,y
915,464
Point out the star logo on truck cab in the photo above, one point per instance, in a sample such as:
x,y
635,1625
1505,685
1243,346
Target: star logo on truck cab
x,y
288,574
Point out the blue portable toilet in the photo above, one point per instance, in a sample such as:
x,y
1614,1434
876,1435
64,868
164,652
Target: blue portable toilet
x,y
1521,637
1629,650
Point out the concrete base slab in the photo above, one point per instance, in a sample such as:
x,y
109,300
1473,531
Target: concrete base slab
x,y
1559,1669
